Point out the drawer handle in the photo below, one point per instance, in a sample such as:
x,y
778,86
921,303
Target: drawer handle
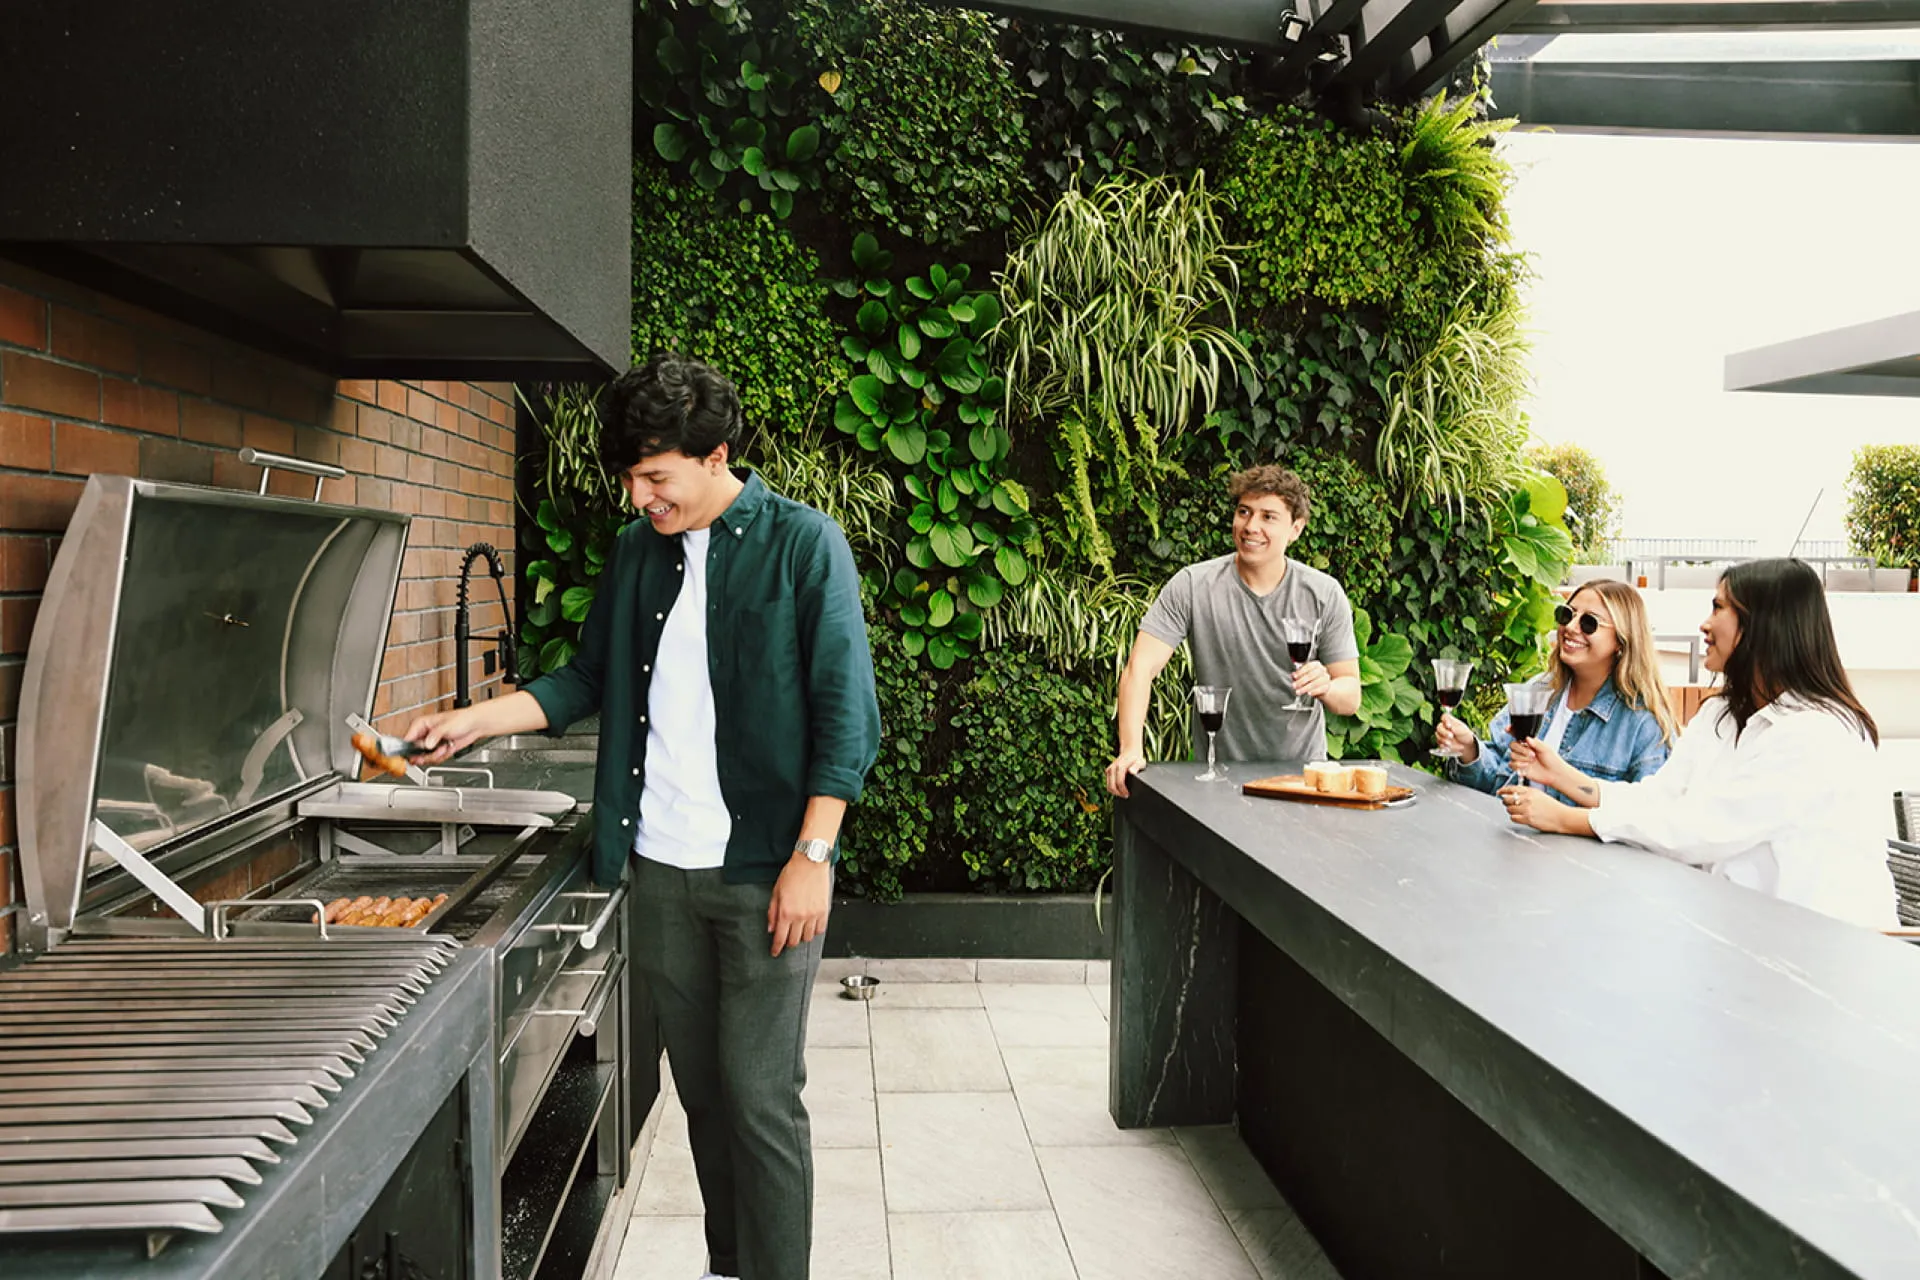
x,y
591,938
596,1004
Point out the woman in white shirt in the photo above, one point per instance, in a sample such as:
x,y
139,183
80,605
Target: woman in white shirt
x,y
1774,784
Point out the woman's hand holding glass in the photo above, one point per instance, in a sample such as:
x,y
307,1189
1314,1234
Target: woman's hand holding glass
x,y
1456,739
1537,762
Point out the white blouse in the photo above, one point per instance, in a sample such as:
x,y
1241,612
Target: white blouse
x,y
1793,809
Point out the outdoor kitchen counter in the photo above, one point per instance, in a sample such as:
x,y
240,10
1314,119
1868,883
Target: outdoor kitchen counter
x,y
1465,1049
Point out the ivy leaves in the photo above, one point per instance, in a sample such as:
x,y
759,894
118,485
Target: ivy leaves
x,y
564,581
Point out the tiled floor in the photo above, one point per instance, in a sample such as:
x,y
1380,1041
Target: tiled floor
x,y
960,1130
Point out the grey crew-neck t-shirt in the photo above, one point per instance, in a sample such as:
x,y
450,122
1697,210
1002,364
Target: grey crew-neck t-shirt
x,y
1238,640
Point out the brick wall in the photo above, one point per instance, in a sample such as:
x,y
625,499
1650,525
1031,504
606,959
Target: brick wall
x,y
89,384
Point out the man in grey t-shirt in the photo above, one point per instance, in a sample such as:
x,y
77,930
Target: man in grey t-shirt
x,y
1233,610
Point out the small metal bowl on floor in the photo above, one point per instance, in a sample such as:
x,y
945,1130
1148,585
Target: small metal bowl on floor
x,y
857,986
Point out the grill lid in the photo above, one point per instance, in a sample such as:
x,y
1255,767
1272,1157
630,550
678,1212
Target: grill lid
x,y
195,656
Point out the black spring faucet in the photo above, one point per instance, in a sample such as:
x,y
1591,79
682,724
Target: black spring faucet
x,y
462,623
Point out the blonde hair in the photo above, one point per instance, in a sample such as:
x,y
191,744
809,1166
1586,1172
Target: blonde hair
x,y
1636,667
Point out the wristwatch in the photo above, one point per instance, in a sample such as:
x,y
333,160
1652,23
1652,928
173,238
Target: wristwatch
x,y
816,850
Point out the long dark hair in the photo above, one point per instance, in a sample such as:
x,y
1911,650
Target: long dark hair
x,y
1786,644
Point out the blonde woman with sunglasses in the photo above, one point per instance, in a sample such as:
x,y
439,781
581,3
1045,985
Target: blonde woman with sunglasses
x,y
1608,720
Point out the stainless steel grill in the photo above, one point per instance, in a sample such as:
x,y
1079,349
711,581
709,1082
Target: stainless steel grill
x,y
200,663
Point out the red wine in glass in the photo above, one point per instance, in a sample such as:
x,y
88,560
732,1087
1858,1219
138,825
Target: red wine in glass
x,y
1449,698
1212,720
1299,650
1525,726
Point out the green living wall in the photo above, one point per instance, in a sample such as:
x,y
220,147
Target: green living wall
x,y
1011,301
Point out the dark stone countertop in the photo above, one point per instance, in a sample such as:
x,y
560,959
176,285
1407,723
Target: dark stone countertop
x,y
1718,1075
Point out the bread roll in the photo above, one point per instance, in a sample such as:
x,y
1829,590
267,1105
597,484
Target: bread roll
x,y
1331,778
1369,779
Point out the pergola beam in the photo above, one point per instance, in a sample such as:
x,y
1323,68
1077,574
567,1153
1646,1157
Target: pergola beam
x,y
1850,99
1612,17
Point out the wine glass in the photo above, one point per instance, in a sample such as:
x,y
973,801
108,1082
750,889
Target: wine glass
x,y
1299,633
1449,686
1210,700
1526,708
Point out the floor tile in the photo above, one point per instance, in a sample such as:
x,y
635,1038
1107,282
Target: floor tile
x,y
927,995
1102,998
831,971
662,1249
1044,1015
978,1246
849,1216
957,1153
839,1098
833,1023
1099,972
668,1187
921,970
1140,1213
672,1129
1040,971
1280,1245
1231,1173
935,1051
1063,1098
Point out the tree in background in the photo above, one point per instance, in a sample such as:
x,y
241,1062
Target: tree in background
x,y
1593,507
1883,504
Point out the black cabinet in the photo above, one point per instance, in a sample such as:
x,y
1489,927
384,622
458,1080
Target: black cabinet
x,y
417,1229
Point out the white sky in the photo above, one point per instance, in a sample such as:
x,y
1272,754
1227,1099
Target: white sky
x,y
1657,257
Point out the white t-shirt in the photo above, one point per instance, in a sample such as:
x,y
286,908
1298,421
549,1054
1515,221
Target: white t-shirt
x,y
683,815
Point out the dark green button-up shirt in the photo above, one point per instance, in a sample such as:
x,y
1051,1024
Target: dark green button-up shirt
x,y
793,696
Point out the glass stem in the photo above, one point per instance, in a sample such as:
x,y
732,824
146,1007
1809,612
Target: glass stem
x,y
1210,768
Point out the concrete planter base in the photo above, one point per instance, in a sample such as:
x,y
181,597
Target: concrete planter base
x,y
1054,926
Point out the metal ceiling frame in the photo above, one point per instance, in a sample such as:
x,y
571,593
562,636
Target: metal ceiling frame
x,y
1878,358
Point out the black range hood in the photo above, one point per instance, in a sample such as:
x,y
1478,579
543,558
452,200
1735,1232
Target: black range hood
x,y
437,188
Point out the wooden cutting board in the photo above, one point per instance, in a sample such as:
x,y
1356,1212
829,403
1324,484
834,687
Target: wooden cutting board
x,y
1293,786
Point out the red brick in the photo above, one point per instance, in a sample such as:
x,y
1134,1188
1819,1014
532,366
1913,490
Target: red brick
x,y
228,472
341,418
376,424
419,469
81,450
25,442
446,416
144,408
23,319
300,398
392,397
358,456
266,434
16,622
210,423
37,502
7,836
406,433
243,384
358,389
89,340
317,444
56,388
389,462
162,458
23,565
11,674
177,365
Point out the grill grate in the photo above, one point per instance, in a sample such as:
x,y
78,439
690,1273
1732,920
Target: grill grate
x,y
131,1111
409,875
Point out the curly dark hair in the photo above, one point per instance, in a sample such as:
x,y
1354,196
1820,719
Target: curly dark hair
x,y
670,404
1278,481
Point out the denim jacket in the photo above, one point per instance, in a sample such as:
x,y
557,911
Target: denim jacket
x,y
1606,739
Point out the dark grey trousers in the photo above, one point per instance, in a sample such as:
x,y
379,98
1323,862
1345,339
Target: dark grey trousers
x,y
734,1020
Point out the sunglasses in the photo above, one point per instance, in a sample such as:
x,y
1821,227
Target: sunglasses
x,y
1589,622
